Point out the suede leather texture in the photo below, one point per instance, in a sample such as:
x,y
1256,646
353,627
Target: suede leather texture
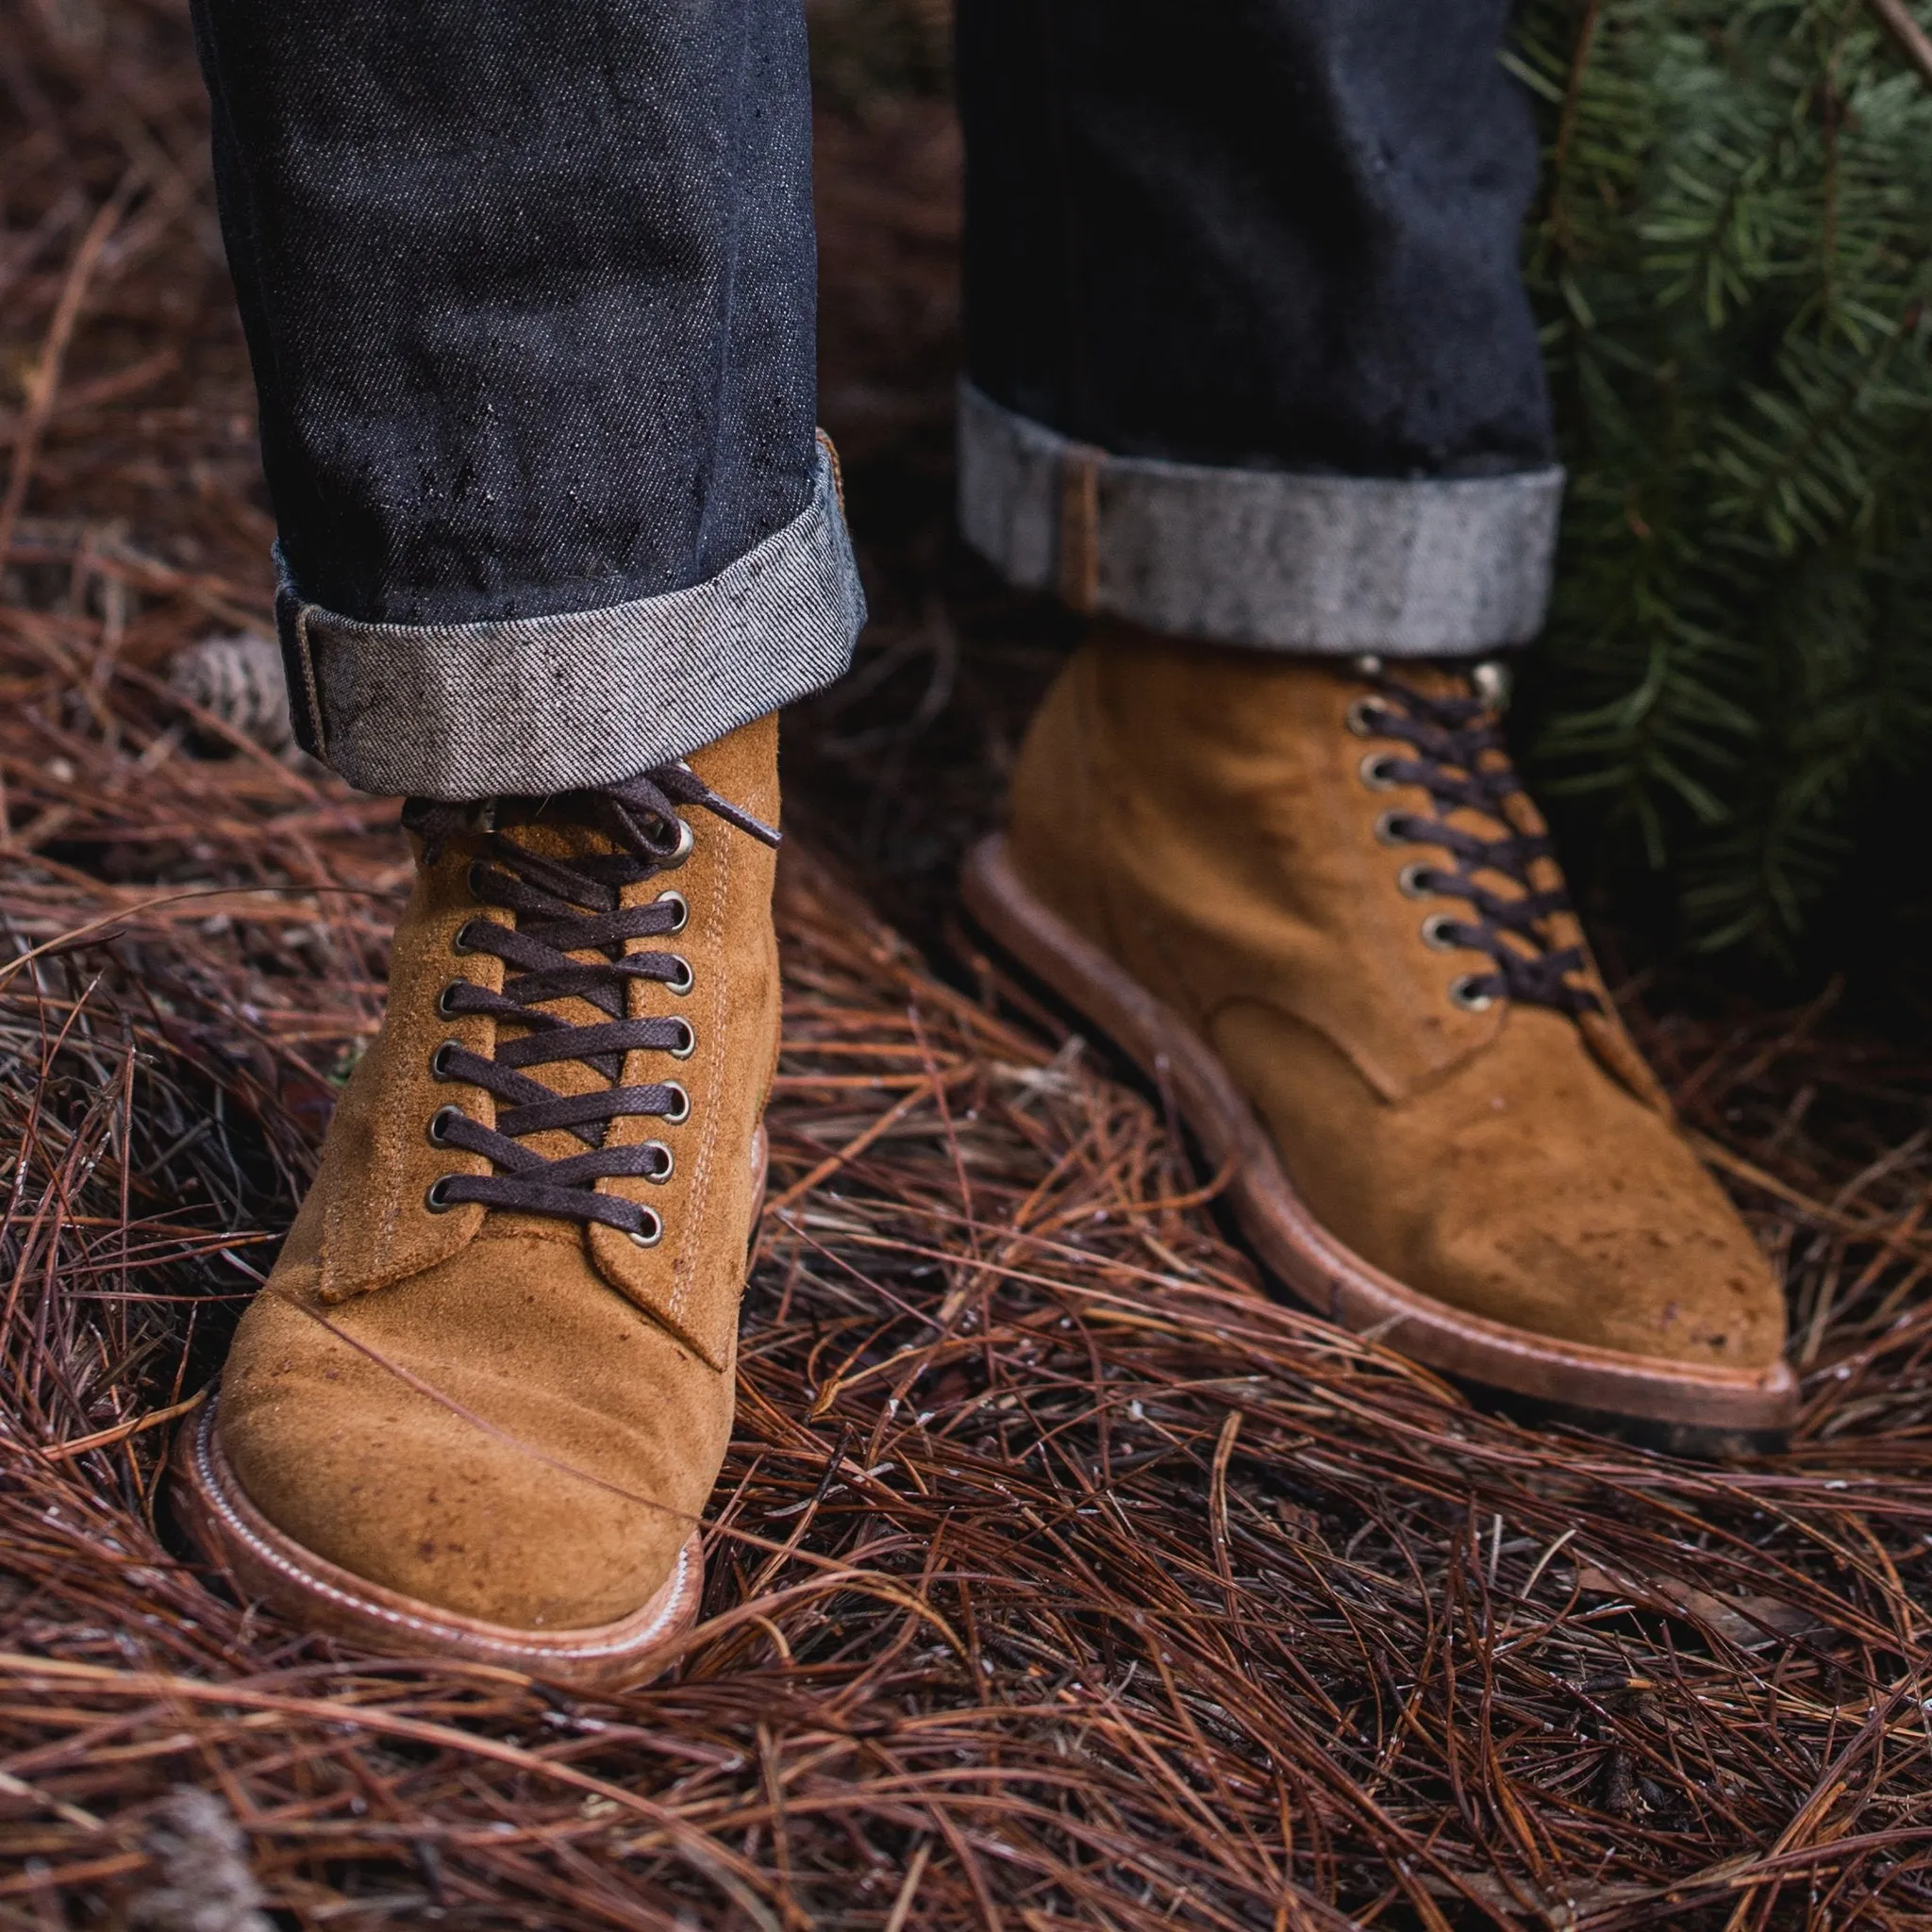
x,y
504,1415
1203,816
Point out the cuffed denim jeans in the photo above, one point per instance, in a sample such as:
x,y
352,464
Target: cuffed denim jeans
x,y
529,294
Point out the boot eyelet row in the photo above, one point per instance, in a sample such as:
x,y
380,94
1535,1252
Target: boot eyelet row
x,y
1376,774
586,898
1464,994
1439,933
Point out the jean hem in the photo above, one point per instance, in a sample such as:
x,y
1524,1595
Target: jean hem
x,y
526,706
1272,559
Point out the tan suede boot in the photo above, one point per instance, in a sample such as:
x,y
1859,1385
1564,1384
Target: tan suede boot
x,y
481,1402
1314,900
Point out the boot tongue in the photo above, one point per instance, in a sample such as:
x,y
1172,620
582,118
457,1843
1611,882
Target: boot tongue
x,y
568,901
554,841
585,1056
1507,811
602,852
1542,956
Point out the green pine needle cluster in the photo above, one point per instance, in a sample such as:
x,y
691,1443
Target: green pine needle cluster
x,y
1732,261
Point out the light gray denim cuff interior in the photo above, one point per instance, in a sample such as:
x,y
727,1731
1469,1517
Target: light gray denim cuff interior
x,y
535,705
1276,560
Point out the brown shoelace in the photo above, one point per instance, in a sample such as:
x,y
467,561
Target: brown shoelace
x,y
566,907
1457,754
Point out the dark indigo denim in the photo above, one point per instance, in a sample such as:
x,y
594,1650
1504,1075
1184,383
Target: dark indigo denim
x,y
529,289
1262,232
529,285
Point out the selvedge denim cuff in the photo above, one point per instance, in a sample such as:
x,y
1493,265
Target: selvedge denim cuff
x,y
1275,559
531,706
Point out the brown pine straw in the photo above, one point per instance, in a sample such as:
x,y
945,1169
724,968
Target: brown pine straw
x,y
1058,1576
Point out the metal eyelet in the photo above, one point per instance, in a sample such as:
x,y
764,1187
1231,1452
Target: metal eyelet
x,y
650,1229
683,1112
444,1011
1375,772
1437,932
439,1125
669,1161
433,1197
472,878
1413,881
686,978
1386,832
462,943
1362,716
438,1060
1464,994
690,1045
686,840
1493,681
676,899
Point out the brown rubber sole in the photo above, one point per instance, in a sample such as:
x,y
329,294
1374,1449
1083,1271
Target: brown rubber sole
x,y
1679,1405
274,1568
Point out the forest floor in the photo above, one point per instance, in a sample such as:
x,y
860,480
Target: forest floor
x,y
1058,1574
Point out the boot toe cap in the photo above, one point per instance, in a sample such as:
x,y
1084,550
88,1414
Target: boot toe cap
x,y
507,1497
1687,1285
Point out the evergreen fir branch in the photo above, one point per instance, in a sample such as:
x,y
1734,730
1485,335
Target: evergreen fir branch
x,y
1732,264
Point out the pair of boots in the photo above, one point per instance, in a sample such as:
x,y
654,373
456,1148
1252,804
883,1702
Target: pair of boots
x,y
480,1404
